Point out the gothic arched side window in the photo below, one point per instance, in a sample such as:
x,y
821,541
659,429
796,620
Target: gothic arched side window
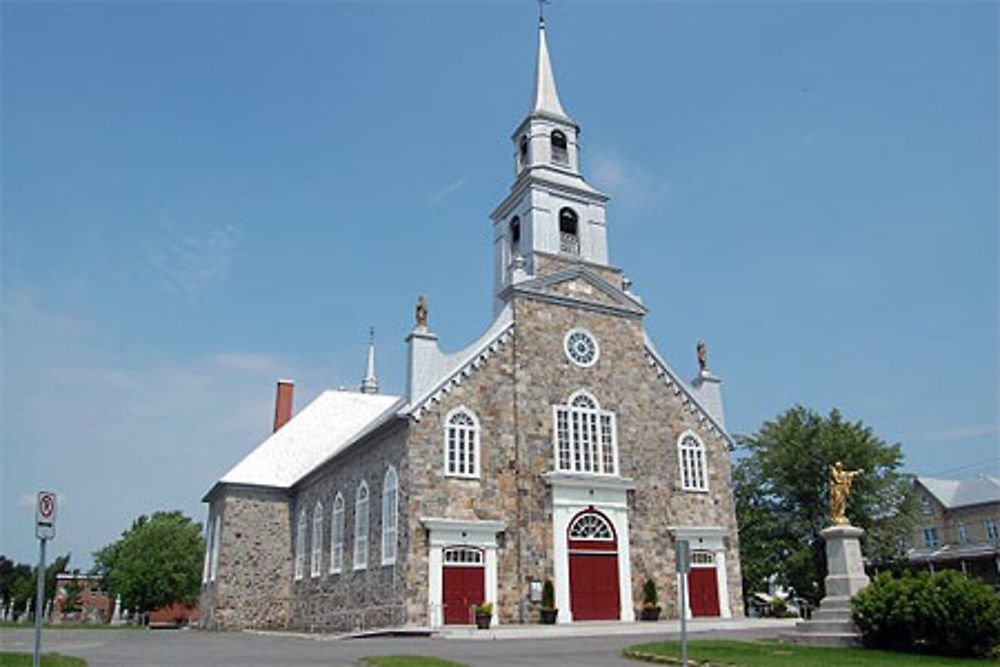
x,y
317,541
461,444
361,527
390,515
300,544
559,151
691,452
569,236
337,536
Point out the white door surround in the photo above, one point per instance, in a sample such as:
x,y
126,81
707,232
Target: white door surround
x,y
711,539
573,493
444,533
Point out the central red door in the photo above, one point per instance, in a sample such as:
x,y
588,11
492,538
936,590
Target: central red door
x,y
593,568
464,587
704,591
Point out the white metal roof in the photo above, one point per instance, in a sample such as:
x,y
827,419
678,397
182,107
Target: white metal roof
x,y
320,430
954,493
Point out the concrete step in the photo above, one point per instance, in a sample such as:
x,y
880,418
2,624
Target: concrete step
x,y
822,638
821,627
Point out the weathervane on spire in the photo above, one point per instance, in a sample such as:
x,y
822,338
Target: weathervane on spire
x,y
541,10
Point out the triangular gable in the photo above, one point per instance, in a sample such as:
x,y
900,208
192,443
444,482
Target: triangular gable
x,y
578,287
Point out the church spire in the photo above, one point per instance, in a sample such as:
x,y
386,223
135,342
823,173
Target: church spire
x,y
370,384
546,98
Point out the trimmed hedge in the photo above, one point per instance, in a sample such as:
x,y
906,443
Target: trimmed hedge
x,y
945,613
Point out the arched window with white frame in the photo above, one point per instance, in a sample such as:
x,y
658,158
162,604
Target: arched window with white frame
x,y
317,541
461,443
216,539
390,515
585,436
691,455
337,535
300,544
361,527
209,546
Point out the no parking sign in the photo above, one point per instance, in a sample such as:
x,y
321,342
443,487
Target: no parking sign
x,y
45,516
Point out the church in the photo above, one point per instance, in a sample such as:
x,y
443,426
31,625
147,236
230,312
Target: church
x,y
560,446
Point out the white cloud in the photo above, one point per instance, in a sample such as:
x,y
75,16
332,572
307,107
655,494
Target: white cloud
x,y
185,262
632,184
447,190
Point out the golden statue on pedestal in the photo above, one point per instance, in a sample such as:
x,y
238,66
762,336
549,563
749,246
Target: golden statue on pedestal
x,y
840,488
422,312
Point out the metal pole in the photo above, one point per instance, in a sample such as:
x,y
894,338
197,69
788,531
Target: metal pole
x,y
39,600
684,613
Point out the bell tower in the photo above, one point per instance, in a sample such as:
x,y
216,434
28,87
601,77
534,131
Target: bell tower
x,y
550,209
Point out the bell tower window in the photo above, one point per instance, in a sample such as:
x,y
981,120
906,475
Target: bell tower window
x,y
569,238
559,152
522,150
515,236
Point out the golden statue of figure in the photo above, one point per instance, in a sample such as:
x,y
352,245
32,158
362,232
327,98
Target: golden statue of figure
x,y
422,312
840,488
702,356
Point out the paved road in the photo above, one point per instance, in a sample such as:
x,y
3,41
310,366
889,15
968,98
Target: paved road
x,y
155,648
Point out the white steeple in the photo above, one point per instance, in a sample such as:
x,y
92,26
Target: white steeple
x,y
546,97
370,384
550,210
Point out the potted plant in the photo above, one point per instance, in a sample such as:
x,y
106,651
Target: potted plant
x,y
548,610
484,614
650,608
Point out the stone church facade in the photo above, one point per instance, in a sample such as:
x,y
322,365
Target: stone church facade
x,y
559,446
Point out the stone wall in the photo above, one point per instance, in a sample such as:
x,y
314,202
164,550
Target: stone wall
x,y
355,599
251,587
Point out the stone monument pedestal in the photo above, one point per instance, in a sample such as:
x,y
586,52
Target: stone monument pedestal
x,y
831,624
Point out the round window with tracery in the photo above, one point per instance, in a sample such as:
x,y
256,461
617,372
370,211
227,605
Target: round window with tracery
x,y
581,348
590,527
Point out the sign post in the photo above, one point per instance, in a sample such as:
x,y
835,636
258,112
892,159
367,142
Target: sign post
x,y
682,557
45,529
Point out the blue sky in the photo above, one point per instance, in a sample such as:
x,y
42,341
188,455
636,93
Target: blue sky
x,y
199,198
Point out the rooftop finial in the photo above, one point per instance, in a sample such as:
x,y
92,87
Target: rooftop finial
x,y
541,11
370,384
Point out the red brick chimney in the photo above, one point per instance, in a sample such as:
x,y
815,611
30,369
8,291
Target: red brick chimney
x,y
283,403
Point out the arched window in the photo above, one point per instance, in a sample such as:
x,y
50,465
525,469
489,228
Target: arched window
x,y
692,460
337,536
317,540
390,516
569,238
559,153
216,540
522,150
461,442
361,527
591,526
585,436
209,547
300,545
515,236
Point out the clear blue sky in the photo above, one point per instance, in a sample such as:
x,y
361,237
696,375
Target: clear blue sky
x,y
199,198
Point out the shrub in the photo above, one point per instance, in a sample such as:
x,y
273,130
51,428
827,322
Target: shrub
x,y
649,596
484,609
548,595
945,613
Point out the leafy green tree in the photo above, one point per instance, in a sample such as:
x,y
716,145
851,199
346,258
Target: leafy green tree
x,y
155,563
71,603
781,485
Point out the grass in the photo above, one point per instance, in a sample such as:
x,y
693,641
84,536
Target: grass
x,y
754,654
408,661
48,660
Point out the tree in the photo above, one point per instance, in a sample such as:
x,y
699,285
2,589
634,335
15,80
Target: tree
x,y
74,591
155,563
781,485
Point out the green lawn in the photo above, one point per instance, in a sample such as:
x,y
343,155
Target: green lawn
x,y
752,654
408,661
48,660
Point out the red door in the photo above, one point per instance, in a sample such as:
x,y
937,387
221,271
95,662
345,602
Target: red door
x,y
593,568
464,587
703,591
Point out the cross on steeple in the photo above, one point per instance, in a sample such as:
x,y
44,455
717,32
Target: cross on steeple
x,y
541,10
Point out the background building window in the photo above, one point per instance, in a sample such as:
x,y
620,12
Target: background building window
x,y
461,444
300,545
692,461
317,541
585,437
337,536
989,527
390,516
361,528
569,240
559,152
930,537
961,534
